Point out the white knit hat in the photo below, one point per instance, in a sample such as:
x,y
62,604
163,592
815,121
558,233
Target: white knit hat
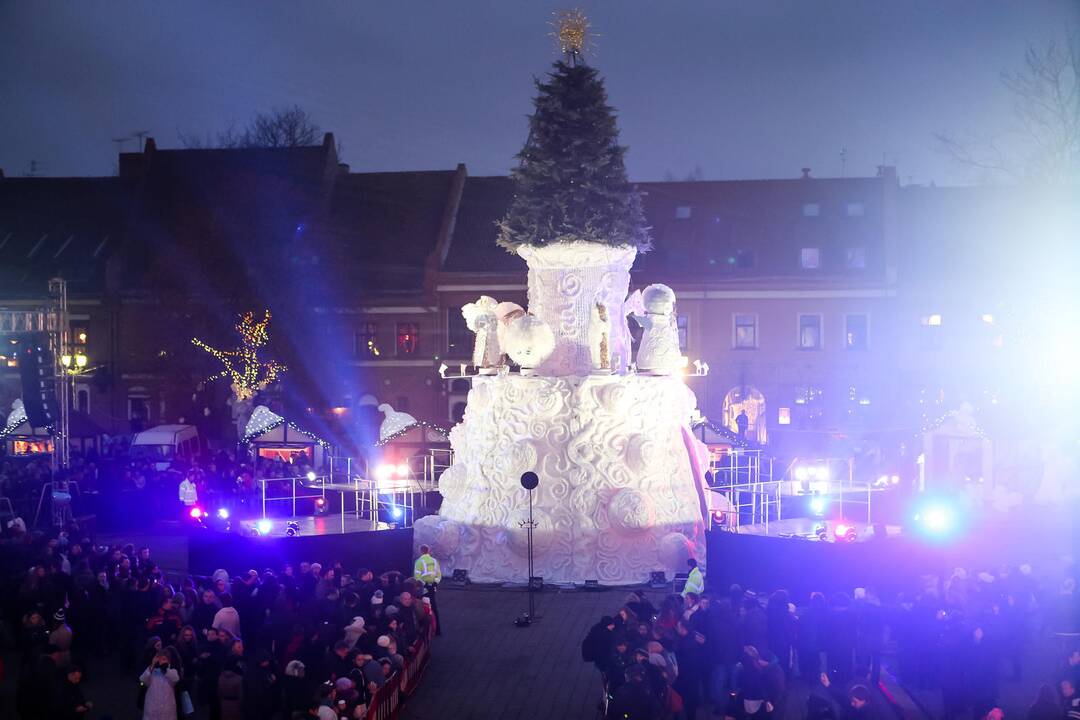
x,y
384,641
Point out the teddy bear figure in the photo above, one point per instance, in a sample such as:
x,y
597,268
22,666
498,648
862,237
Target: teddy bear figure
x,y
659,352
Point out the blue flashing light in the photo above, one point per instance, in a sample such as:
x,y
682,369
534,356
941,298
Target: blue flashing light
x,y
264,526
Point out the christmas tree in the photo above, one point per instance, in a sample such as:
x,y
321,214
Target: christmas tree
x,y
570,184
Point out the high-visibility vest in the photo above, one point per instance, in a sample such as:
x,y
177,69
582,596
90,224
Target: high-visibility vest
x,y
189,495
427,570
695,582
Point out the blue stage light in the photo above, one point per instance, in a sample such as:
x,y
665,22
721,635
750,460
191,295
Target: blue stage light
x,y
264,526
223,513
396,513
818,504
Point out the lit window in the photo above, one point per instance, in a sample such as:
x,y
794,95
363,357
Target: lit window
x,y
810,258
683,324
854,209
367,341
407,340
810,332
855,258
811,210
682,212
856,332
745,332
78,335
784,417
930,337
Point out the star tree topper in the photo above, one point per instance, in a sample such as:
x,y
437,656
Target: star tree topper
x,y
571,33
246,371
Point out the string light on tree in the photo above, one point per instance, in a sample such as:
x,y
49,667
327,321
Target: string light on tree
x,y
246,371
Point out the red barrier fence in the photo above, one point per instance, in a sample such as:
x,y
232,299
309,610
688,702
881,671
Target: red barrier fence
x,y
386,704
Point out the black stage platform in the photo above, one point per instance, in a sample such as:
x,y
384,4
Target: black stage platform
x,y
788,555
321,539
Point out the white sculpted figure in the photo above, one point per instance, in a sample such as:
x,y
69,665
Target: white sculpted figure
x,y
480,317
659,352
600,339
528,341
505,313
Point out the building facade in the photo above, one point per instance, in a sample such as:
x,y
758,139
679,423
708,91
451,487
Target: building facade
x,y
822,306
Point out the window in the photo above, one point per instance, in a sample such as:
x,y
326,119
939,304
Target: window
x,y
809,405
810,258
745,332
78,336
784,416
854,209
744,259
811,210
407,338
82,399
810,332
459,338
682,212
366,342
855,259
930,337
683,324
856,332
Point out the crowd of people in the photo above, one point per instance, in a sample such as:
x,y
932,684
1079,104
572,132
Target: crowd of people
x,y
740,652
300,641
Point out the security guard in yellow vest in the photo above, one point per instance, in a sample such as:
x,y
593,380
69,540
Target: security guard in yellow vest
x,y
427,570
695,581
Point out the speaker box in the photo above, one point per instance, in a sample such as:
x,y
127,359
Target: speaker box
x,y
37,370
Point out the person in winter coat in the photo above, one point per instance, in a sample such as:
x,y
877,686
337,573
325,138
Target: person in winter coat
x,y
159,679
231,689
227,617
633,700
61,637
1045,706
69,703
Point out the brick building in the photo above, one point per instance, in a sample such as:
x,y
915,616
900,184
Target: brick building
x,y
816,302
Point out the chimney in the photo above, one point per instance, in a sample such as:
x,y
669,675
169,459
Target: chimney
x,y
806,173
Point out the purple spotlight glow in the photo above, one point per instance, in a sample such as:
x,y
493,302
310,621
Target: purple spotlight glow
x,y
264,526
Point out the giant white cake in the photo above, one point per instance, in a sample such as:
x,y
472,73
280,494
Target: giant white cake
x,y
621,489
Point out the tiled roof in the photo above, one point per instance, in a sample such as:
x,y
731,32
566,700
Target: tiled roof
x,y
58,227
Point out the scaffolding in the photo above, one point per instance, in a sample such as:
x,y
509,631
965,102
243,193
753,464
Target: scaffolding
x,y
395,494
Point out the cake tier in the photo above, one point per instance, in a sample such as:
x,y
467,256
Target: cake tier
x,y
621,487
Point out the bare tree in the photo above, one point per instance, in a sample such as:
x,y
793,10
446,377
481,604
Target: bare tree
x,y
1046,107
281,127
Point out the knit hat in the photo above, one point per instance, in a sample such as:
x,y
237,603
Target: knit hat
x,y
295,668
59,615
220,574
986,577
426,600
392,610
376,599
343,684
1025,569
860,593
383,641
357,623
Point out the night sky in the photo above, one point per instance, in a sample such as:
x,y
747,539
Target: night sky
x,y
741,90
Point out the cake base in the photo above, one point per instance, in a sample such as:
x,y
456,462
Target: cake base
x,y
621,490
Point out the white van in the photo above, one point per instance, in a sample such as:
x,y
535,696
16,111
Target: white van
x,y
164,443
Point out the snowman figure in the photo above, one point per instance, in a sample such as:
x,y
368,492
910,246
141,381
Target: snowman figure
x,y
659,353
480,317
600,339
528,341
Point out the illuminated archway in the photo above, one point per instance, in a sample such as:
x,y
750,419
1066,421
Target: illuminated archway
x,y
750,400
